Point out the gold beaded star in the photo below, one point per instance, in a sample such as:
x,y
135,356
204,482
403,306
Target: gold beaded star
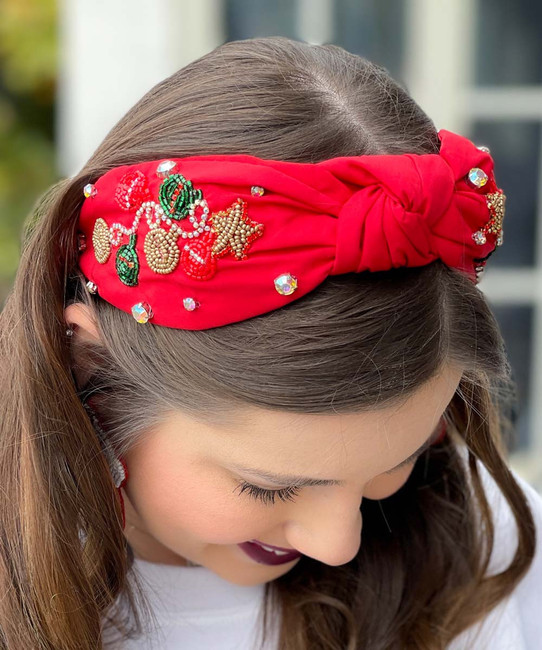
x,y
235,230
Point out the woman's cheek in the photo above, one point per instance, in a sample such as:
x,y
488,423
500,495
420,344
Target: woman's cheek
x,y
385,485
208,510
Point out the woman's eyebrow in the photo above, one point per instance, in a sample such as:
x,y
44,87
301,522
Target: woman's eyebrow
x,y
305,481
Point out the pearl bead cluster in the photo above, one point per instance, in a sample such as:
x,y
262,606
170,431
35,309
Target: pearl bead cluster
x,y
199,226
148,207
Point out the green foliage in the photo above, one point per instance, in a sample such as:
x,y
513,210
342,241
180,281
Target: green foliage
x,y
28,45
28,73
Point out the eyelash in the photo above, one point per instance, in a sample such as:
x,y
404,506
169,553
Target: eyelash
x,y
268,496
288,494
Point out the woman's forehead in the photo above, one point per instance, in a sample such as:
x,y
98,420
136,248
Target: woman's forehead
x,y
423,403
255,428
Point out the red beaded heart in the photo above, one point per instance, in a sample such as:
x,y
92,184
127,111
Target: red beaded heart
x,y
197,258
132,190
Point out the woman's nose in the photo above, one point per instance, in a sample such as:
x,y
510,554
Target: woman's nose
x,y
328,532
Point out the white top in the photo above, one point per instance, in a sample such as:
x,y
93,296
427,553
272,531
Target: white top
x,y
197,610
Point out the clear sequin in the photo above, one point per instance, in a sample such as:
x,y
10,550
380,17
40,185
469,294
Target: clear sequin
x,y
256,190
91,287
142,312
189,304
477,177
286,284
165,168
90,190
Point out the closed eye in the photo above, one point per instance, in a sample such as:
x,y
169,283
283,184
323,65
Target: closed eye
x,y
268,496
288,494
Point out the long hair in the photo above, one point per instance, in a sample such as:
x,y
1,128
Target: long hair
x,y
419,578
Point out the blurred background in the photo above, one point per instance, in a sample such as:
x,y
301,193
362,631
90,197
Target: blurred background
x,y
70,69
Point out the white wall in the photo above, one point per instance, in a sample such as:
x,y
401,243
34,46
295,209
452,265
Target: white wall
x,y
112,53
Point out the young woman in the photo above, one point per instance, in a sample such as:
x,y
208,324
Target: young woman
x,y
251,391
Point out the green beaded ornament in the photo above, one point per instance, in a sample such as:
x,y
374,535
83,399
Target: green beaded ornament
x,y
176,195
127,262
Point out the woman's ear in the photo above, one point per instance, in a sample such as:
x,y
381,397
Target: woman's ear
x,y
78,317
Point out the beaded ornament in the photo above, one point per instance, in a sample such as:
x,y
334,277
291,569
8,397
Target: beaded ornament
x,y
213,236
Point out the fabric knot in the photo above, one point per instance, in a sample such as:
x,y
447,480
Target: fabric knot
x,y
412,209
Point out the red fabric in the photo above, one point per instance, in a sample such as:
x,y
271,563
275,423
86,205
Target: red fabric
x,y
347,214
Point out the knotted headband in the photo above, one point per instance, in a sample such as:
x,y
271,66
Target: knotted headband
x,y
203,241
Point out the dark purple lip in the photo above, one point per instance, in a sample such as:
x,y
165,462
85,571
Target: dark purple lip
x,y
256,552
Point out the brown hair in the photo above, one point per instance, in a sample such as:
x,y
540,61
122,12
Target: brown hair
x,y
419,577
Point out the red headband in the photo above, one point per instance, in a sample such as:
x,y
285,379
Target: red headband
x,y
200,242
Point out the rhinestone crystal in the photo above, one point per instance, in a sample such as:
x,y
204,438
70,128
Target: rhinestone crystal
x,y
142,312
483,148
164,168
256,190
91,287
477,177
189,304
89,190
286,284
479,237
